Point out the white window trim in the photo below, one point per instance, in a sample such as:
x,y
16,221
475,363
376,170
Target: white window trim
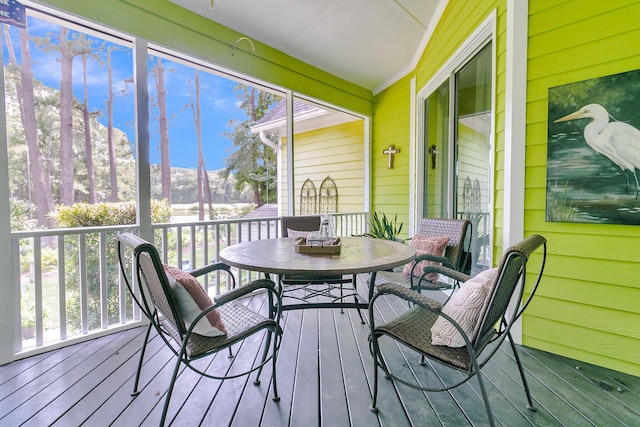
x,y
485,33
515,124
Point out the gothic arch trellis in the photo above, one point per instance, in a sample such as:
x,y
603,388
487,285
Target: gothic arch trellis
x,y
308,198
328,196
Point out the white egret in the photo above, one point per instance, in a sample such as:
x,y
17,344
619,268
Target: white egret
x,y
619,141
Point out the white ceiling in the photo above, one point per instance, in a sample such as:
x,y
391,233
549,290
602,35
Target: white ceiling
x,y
370,43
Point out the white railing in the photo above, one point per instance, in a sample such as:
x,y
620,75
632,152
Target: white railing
x,y
68,285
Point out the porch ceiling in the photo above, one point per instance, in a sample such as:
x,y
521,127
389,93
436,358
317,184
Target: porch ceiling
x,y
369,43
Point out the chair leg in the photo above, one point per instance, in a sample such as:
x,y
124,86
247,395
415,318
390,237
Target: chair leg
x,y
341,297
485,397
276,346
374,353
142,351
524,379
265,352
355,297
171,384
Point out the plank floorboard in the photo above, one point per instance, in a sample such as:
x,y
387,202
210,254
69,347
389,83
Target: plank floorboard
x,y
306,388
325,378
333,399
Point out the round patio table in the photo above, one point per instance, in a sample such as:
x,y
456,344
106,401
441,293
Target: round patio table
x,y
358,255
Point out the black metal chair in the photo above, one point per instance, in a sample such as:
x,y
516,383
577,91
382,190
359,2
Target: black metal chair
x,y
456,252
309,285
413,327
159,304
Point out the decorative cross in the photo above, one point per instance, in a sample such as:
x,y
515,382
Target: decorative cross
x,y
390,152
433,150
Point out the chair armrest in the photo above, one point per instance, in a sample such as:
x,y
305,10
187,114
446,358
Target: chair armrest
x,y
429,257
245,290
445,271
444,261
209,268
409,295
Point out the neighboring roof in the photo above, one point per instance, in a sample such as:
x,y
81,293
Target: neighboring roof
x,y
277,115
268,210
280,111
306,116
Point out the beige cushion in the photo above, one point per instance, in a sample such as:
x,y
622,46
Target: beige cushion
x,y
426,246
297,233
464,308
192,299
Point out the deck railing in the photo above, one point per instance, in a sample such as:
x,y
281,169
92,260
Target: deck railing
x,y
68,286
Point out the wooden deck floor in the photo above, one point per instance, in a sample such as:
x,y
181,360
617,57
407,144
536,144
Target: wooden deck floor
x,y
324,378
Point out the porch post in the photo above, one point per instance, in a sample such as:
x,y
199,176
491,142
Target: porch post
x,y
515,128
291,202
143,196
7,328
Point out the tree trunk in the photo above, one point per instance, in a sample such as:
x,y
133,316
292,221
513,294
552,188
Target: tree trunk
x,y
112,148
88,149
66,120
165,162
42,195
202,169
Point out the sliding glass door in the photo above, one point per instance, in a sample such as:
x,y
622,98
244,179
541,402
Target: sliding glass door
x,y
457,163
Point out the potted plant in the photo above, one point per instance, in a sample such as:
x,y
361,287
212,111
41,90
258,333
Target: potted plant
x,y
381,227
28,313
28,321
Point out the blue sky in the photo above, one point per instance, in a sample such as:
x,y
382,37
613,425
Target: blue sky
x,y
218,100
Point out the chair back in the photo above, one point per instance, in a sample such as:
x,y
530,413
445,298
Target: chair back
x,y
151,277
457,230
511,270
300,223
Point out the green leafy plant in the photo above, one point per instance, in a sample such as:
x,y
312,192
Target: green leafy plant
x,y
381,227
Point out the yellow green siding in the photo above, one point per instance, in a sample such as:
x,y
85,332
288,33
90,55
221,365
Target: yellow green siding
x,y
336,152
391,125
589,305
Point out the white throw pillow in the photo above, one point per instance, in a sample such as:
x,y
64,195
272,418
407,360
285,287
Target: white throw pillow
x,y
464,308
192,300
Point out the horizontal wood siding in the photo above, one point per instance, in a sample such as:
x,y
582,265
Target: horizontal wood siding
x,y
391,126
336,152
588,307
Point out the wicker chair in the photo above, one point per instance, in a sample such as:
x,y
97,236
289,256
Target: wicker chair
x,y
413,328
455,255
311,223
158,302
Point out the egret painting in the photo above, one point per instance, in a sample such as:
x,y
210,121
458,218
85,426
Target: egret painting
x,y
593,152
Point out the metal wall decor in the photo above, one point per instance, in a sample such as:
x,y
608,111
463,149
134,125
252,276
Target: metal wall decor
x,y
390,152
328,196
308,198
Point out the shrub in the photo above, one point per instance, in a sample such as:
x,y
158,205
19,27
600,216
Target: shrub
x,y
94,215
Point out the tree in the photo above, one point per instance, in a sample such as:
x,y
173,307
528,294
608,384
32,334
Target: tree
x,y
204,189
110,144
252,161
24,90
66,118
91,175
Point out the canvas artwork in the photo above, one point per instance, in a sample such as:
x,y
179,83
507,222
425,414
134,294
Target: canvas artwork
x,y
593,151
